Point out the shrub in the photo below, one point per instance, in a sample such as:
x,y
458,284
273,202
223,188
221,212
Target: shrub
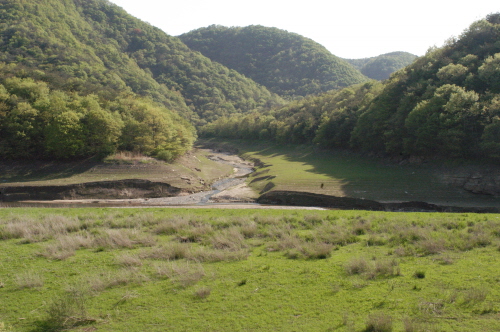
x,y
229,239
317,250
386,268
171,226
67,311
335,234
419,274
202,293
430,246
357,266
169,251
378,322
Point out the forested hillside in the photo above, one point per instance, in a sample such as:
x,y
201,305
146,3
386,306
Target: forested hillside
x,y
382,66
446,103
79,78
286,63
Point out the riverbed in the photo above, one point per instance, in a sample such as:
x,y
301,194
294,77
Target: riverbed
x,y
229,192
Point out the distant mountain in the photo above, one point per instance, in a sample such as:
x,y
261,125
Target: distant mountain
x,y
445,104
382,66
286,63
83,77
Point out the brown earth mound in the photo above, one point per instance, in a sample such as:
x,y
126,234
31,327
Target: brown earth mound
x,y
121,189
295,198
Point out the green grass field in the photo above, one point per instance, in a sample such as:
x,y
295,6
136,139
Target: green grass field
x,y
347,174
247,270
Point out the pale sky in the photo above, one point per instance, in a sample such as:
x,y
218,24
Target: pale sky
x,y
349,29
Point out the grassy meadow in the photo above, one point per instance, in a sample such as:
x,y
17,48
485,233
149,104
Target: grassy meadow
x,y
347,174
247,270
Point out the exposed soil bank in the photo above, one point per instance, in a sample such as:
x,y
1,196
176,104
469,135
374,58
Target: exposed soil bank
x,y
121,189
295,198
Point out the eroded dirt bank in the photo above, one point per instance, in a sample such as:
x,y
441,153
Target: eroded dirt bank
x,y
121,189
294,198
138,192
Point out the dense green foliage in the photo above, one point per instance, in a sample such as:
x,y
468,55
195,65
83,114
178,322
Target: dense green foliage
x,y
39,122
327,118
286,63
382,66
446,103
73,69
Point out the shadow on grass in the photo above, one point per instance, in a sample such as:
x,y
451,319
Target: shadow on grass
x,y
346,173
25,171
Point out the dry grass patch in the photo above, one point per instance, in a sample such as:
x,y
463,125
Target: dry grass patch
x,y
378,322
169,251
123,238
65,246
204,254
35,230
335,234
129,260
230,239
122,277
182,273
29,279
202,293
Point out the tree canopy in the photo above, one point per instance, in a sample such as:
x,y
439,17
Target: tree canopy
x,y
286,63
71,69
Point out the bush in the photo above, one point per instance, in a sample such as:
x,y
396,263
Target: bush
x,y
202,293
357,266
67,311
165,155
378,322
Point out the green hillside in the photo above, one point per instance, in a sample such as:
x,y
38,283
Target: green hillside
x,y
286,63
71,70
445,104
382,66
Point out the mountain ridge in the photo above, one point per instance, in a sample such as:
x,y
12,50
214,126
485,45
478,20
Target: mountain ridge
x,y
286,63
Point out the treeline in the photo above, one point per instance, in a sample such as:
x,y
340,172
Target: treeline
x,y
37,122
446,103
286,63
84,78
327,119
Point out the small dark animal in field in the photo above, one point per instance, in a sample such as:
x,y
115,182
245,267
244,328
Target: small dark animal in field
x,y
322,185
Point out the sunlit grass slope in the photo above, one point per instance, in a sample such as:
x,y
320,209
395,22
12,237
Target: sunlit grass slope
x,y
247,270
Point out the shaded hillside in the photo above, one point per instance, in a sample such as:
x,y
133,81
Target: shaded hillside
x,y
445,104
83,78
382,66
94,45
286,63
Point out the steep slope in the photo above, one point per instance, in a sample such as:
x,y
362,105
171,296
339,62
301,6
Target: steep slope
x,y
98,46
382,66
81,78
286,63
